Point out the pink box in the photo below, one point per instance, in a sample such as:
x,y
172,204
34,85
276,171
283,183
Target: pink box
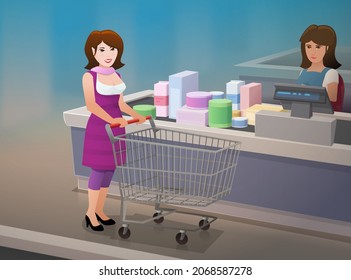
x,y
161,88
250,95
186,115
162,111
161,100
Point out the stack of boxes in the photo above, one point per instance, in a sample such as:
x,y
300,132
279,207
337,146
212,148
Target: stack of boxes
x,y
243,97
198,100
250,113
179,85
180,99
220,113
196,109
250,95
161,98
217,94
233,93
145,110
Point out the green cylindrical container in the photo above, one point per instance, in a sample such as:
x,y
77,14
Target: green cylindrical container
x,y
220,113
145,110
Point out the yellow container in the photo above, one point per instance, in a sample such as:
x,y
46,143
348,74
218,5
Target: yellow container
x,y
250,112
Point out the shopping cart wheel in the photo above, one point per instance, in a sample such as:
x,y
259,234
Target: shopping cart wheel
x,y
181,238
124,232
159,220
204,224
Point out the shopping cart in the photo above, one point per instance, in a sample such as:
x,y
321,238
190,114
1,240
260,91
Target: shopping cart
x,y
161,166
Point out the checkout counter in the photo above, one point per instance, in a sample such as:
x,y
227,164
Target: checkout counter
x,y
290,183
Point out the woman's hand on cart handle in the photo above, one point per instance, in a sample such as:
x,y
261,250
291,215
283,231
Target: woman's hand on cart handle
x,y
141,119
117,123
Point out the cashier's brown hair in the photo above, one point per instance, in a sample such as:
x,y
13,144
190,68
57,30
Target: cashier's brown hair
x,y
322,35
110,38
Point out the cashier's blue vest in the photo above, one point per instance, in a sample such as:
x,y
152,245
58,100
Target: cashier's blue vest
x,y
312,78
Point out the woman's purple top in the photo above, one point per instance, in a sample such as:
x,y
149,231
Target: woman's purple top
x,y
98,153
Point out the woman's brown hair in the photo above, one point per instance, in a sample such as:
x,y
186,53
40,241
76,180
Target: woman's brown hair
x,y
322,35
110,38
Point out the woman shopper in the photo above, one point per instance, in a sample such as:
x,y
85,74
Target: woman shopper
x,y
103,92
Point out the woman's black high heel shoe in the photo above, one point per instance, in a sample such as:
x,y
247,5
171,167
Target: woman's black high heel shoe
x,y
108,222
95,228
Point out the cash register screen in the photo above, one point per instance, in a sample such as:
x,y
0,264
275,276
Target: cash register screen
x,y
301,98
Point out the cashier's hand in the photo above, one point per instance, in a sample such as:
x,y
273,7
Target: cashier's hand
x,y
121,121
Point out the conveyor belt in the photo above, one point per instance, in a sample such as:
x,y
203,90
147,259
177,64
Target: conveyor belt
x,y
342,134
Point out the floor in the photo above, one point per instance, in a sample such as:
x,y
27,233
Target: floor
x,y
14,254
42,212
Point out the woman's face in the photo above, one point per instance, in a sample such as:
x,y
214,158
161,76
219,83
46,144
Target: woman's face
x,y
105,55
315,53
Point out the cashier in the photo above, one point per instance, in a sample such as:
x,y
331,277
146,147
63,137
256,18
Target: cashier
x,y
318,43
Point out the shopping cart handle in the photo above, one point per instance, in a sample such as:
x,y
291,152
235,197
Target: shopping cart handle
x,y
129,122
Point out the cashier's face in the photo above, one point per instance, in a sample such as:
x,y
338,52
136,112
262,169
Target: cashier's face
x,y
105,55
315,52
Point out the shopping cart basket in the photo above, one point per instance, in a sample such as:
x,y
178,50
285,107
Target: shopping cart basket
x,y
162,166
